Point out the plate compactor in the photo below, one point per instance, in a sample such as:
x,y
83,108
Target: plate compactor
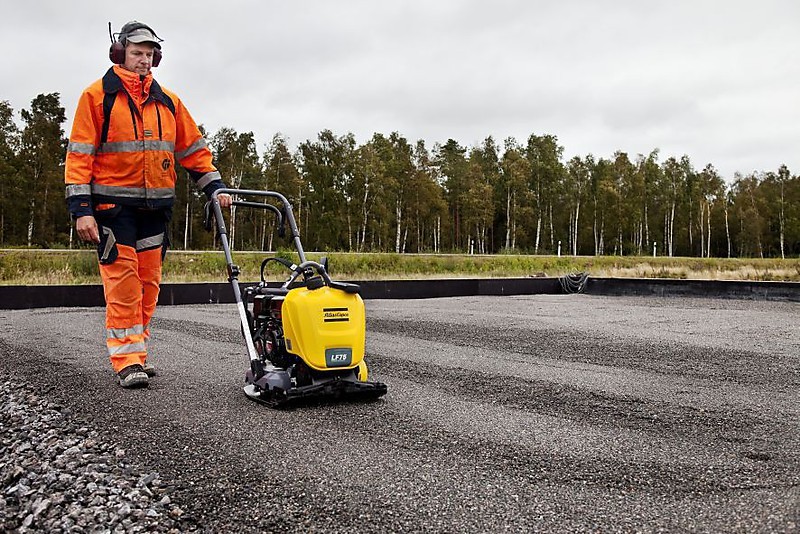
x,y
306,338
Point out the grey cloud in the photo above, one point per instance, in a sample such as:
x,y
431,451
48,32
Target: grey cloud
x,y
713,81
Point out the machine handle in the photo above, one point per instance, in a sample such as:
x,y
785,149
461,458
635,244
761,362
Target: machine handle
x,y
289,265
286,214
269,207
209,225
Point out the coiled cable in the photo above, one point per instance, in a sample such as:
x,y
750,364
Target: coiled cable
x,y
574,282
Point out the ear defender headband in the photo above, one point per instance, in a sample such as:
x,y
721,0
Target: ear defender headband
x,y
117,51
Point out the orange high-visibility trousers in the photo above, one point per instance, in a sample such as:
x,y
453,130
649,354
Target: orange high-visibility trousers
x,y
131,250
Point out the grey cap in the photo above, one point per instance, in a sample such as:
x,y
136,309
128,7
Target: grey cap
x,y
140,34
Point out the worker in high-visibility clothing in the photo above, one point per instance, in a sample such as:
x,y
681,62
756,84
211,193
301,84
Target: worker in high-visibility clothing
x,y
127,136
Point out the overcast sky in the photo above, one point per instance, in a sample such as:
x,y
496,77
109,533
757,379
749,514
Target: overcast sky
x,y
715,80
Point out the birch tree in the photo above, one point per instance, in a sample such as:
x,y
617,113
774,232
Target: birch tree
x,y
673,180
42,153
711,189
576,185
544,155
515,170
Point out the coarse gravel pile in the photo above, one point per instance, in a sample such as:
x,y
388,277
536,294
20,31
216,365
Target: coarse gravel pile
x,y
61,476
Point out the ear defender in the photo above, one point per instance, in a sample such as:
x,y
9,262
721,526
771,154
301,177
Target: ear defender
x,y
117,53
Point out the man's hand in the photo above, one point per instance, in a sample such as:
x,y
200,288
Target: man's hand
x,y
225,200
87,229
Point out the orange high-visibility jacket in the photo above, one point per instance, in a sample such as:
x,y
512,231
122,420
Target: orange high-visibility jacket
x,y
127,134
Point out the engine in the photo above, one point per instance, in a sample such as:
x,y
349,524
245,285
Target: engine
x,y
267,330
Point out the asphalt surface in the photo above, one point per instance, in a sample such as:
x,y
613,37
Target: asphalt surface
x,y
530,413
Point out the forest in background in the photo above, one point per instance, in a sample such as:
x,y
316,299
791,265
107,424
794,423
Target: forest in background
x,y
393,195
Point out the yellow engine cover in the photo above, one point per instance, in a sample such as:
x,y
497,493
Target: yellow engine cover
x,y
325,327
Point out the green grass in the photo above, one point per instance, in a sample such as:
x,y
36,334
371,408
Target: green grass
x,y
42,267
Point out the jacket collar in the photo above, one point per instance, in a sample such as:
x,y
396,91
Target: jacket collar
x,y
134,84
115,80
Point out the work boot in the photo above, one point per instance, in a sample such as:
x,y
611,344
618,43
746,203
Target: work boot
x,y
133,376
149,370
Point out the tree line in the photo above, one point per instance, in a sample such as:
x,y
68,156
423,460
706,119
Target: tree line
x,y
389,194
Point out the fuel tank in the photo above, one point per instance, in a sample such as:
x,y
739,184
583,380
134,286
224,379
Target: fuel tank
x,y
326,327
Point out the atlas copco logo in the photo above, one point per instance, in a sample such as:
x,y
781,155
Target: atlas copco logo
x,y
335,315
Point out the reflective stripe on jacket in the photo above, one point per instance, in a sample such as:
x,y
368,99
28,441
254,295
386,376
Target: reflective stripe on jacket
x,y
129,158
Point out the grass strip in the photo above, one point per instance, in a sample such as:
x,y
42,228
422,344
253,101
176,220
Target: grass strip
x,y
70,267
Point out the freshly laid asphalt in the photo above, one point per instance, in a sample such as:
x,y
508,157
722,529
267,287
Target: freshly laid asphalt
x,y
525,413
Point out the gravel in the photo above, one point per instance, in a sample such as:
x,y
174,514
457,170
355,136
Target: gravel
x,y
59,475
504,414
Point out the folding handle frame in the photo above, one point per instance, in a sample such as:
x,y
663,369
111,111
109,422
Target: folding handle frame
x,y
284,214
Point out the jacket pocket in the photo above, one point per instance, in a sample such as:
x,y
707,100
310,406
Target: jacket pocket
x,y
106,211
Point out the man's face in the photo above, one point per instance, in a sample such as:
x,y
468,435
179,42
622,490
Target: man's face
x,y
139,57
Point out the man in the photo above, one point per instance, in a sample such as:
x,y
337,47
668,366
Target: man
x,y
127,136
